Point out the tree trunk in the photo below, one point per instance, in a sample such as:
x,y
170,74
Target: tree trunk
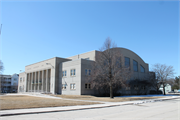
x,y
111,91
164,89
110,77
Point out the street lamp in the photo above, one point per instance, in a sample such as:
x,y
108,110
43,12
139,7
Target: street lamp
x,y
49,64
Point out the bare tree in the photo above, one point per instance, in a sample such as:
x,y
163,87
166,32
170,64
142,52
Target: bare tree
x,y
109,71
155,83
163,73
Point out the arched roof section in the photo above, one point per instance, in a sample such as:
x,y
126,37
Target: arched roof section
x,y
124,50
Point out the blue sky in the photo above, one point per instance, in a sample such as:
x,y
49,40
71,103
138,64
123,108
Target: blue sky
x,y
35,31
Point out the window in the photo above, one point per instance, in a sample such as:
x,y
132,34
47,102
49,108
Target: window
x,y
64,86
72,86
128,88
87,72
143,87
142,69
87,86
136,87
135,66
64,73
127,62
73,72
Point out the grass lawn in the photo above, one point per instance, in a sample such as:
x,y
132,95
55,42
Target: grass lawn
x,y
104,99
22,101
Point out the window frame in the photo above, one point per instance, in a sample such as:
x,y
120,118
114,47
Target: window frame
x,y
87,86
134,66
64,86
126,62
141,67
73,86
87,71
73,72
64,73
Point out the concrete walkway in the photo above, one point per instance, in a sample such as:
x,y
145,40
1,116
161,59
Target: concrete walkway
x,y
79,107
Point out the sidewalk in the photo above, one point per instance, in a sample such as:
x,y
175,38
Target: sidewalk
x,y
79,107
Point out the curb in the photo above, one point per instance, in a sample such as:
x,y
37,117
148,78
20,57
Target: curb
x,y
96,107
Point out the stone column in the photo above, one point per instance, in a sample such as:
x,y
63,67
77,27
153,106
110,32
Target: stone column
x,y
38,80
31,81
42,80
26,80
47,80
35,81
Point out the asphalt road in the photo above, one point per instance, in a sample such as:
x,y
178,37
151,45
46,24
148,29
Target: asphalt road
x,y
165,110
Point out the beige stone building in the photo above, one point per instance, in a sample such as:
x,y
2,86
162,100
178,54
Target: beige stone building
x,y
67,75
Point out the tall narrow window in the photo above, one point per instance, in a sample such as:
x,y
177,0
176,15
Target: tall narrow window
x,y
72,86
64,86
135,66
87,72
142,69
64,73
127,62
87,86
73,72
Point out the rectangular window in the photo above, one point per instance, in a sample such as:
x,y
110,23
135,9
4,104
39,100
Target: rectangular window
x,y
87,86
128,88
73,72
73,86
64,73
136,87
87,72
135,66
142,69
64,86
127,62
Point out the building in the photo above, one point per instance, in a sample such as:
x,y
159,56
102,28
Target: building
x,y
9,83
67,75
167,88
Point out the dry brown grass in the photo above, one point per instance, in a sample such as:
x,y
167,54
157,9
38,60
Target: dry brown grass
x,y
21,102
104,99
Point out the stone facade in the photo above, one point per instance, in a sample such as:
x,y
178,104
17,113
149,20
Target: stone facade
x,y
67,75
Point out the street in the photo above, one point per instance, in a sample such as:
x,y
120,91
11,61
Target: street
x,y
165,110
